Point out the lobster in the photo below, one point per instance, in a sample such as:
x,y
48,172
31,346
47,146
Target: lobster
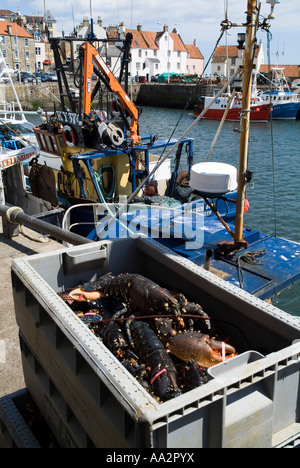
x,y
143,296
152,351
142,293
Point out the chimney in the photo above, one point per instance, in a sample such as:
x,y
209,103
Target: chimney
x,y
139,27
195,42
121,29
85,21
100,21
166,28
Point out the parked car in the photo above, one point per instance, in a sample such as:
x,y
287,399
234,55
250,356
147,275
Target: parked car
x,y
25,76
51,77
47,62
42,76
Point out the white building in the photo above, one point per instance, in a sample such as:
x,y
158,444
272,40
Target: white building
x,y
227,59
154,53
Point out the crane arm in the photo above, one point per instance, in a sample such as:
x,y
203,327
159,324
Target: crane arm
x,y
91,59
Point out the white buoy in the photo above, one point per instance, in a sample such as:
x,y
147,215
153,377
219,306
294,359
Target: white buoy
x,y
214,179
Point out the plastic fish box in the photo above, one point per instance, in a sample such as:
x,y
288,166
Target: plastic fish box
x,y
14,430
89,399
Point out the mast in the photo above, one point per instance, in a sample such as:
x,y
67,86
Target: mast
x,y
245,122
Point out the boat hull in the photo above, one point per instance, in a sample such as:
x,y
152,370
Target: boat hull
x,y
287,111
257,114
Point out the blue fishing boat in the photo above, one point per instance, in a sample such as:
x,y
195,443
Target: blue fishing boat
x,y
112,183
285,104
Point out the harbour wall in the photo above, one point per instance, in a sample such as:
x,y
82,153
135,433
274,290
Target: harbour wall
x,y
46,95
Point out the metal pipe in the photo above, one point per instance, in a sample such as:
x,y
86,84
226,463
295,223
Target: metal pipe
x,y
16,215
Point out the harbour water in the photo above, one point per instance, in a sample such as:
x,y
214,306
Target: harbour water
x,y
274,156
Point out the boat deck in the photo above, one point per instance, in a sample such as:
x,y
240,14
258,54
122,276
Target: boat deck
x,y
268,266
273,263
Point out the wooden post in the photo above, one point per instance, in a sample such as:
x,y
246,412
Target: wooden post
x,y
245,122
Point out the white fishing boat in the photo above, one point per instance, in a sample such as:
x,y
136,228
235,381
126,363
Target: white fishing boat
x,y
14,126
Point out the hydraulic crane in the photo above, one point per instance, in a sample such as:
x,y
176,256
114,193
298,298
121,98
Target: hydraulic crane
x,y
93,62
91,128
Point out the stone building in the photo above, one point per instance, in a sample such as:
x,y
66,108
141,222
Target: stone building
x,y
18,47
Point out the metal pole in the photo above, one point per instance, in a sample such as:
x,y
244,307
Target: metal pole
x,y
15,215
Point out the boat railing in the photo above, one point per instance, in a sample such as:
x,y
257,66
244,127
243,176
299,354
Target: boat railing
x,y
7,109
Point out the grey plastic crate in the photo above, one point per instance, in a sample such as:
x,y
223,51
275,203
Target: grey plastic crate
x,y
89,399
14,431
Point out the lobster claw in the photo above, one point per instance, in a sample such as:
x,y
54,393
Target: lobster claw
x,y
221,351
205,351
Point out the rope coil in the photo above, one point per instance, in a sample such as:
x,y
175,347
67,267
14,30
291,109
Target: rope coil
x,y
10,211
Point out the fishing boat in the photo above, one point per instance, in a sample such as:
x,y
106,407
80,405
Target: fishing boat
x,y
112,183
285,104
231,109
13,123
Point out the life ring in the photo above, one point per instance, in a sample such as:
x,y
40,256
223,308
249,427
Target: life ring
x,y
69,136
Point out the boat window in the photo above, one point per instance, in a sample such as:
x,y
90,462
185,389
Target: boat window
x,y
42,141
54,144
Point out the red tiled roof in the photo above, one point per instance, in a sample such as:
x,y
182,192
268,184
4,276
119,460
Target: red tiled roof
x,y
16,30
178,42
147,40
194,52
138,41
6,13
233,52
221,51
291,71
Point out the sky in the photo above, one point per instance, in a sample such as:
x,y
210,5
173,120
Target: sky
x,y
194,19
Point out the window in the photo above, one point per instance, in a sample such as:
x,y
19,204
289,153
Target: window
x,y
233,62
2,40
26,42
27,56
140,53
138,66
178,66
15,41
155,53
4,53
178,54
37,51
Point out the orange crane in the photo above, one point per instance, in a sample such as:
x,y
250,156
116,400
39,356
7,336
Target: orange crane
x,y
93,62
